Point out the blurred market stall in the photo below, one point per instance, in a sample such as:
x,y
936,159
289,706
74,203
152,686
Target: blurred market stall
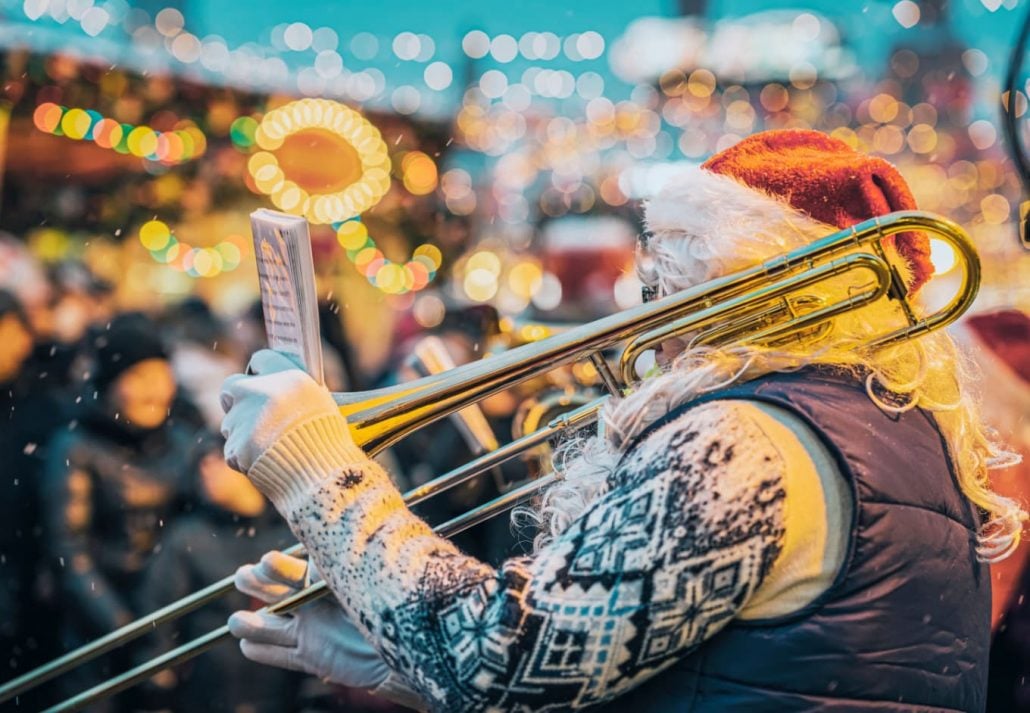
x,y
511,135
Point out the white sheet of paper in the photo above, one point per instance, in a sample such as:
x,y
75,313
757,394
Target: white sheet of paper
x,y
282,248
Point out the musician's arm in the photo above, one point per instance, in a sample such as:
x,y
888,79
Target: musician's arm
x,y
700,495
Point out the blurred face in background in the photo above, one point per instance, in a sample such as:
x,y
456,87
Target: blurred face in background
x,y
15,346
143,393
71,316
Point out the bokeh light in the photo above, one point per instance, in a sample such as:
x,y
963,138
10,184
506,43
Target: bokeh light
x,y
419,173
384,274
242,131
169,148
351,131
154,235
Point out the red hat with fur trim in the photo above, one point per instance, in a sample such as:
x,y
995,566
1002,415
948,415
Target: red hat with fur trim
x,y
829,181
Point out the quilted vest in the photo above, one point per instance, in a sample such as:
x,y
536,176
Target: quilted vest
x,y
906,624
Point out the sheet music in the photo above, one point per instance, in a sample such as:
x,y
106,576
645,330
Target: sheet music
x,y
282,248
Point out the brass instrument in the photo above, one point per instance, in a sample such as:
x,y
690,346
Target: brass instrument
x,y
764,303
535,412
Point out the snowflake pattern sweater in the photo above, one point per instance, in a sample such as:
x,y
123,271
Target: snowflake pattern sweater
x,y
687,531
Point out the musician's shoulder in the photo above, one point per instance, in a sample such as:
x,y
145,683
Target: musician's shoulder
x,y
725,439
713,461
702,419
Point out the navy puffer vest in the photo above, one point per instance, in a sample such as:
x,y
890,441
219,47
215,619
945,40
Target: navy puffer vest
x,y
906,625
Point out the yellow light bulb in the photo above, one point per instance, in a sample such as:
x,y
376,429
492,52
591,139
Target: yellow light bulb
x,y
154,235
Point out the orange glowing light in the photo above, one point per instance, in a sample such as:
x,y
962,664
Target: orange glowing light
x,y
320,159
47,117
420,175
107,133
175,151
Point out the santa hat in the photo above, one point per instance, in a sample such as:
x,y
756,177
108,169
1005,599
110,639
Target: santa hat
x,y
793,182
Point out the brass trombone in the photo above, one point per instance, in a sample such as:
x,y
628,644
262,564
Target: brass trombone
x,y
766,302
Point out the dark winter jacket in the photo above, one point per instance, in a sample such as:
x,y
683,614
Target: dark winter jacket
x,y
29,413
108,492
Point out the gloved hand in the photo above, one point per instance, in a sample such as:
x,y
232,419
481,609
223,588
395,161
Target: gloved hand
x,y
282,429
316,638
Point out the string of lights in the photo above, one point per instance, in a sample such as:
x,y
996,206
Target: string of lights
x,y
167,147
165,248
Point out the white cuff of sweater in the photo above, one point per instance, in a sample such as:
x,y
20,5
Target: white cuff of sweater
x,y
303,458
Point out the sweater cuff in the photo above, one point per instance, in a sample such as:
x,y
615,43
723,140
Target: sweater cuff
x,y
303,458
394,689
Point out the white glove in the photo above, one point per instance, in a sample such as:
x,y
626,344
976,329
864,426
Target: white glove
x,y
316,638
283,430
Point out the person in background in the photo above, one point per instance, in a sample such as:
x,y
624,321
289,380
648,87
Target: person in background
x,y
440,447
111,484
81,299
202,354
1000,342
231,522
22,275
80,305
29,412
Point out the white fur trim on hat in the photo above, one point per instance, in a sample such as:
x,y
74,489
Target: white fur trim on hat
x,y
705,225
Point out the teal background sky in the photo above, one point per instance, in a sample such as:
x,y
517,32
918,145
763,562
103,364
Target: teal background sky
x,y
868,29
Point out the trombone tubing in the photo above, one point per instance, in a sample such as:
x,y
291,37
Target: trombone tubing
x,y
381,417
572,419
119,637
871,231
316,591
695,320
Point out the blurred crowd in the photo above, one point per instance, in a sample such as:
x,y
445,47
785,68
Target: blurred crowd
x,y
115,498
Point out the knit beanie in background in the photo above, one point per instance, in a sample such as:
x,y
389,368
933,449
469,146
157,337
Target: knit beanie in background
x,y
128,340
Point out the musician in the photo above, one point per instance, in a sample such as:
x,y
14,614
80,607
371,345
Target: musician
x,y
785,528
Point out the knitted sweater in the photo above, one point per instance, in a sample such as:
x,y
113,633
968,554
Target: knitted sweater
x,y
693,523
